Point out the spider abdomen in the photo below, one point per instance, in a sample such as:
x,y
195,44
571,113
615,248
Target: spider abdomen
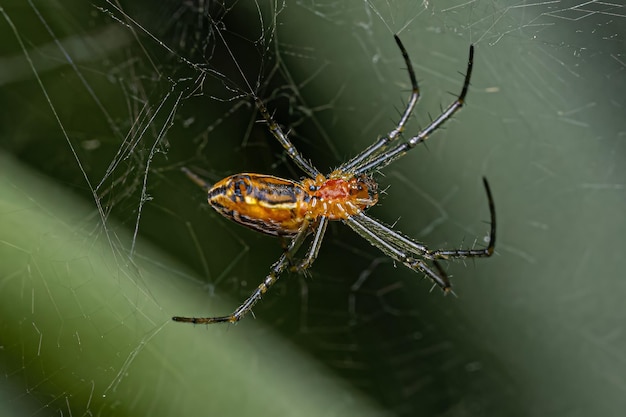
x,y
265,203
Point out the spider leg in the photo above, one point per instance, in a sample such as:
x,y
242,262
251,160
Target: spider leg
x,y
412,254
193,177
409,255
275,271
282,138
391,236
472,253
382,160
314,249
382,142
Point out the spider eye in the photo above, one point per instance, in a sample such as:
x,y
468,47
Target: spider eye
x,y
313,188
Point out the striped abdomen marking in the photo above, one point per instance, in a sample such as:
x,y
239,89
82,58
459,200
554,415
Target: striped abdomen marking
x,y
265,203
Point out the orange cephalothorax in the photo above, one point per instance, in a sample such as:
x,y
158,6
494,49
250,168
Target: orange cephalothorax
x,y
339,197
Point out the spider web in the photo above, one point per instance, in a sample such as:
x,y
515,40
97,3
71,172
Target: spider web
x,y
102,239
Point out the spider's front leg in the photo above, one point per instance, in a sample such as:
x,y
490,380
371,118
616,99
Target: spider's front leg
x,y
382,142
284,140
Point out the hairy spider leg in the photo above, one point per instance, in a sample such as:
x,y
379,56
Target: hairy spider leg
x,y
361,223
282,138
196,179
275,271
384,159
405,250
314,248
476,253
382,142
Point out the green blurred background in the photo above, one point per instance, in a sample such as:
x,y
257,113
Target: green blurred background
x,y
102,239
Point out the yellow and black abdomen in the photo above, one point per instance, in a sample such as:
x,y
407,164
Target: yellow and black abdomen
x,y
264,203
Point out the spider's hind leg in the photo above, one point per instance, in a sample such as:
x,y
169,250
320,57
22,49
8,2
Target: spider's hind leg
x,y
275,271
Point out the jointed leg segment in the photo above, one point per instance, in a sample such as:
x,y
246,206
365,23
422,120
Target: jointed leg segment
x,y
381,160
382,143
277,269
282,138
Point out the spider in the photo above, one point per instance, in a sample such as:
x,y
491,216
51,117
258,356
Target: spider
x,y
296,209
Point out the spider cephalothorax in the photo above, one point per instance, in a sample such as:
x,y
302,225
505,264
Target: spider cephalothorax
x,y
339,197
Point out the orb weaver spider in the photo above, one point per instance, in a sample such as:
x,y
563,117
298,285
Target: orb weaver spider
x,y
295,209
